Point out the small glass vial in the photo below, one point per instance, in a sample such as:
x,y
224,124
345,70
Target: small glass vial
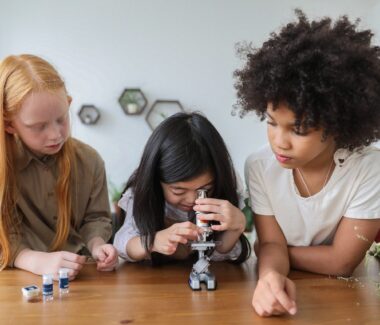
x,y
47,287
201,194
63,281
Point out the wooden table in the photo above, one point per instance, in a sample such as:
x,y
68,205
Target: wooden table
x,y
140,294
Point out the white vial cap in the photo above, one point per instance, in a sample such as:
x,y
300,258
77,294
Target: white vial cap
x,y
47,278
63,273
30,291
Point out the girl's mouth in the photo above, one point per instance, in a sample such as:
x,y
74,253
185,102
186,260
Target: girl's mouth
x,y
54,146
186,207
282,159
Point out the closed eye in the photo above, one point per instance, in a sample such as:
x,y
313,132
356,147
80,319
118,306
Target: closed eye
x,y
38,127
178,192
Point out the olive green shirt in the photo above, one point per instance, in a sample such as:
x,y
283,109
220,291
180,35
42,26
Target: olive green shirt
x,y
37,201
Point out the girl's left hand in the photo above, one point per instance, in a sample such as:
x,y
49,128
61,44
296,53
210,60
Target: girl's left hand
x,y
229,216
106,256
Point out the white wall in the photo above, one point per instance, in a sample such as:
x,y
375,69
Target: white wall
x,y
172,49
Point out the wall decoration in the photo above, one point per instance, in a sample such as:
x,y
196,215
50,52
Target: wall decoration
x,y
132,101
162,109
89,114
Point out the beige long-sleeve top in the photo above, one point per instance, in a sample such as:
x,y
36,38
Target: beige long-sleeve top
x,y
37,201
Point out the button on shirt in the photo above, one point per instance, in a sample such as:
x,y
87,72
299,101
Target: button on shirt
x,y
37,202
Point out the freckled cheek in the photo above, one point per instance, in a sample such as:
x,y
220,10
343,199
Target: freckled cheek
x,y
65,132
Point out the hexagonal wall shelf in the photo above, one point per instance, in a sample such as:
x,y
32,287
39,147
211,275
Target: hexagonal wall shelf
x,y
162,109
132,101
89,114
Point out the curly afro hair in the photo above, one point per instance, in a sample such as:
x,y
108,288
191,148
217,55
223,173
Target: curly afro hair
x,y
327,73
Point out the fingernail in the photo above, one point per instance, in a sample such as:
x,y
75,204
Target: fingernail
x,y
292,311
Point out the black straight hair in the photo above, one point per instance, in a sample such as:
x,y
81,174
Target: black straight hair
x,y
182,147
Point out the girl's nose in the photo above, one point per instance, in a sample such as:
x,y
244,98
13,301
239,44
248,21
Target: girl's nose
x,y
281,140
54,132
191,197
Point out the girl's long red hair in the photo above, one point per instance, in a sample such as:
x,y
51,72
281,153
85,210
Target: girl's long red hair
x,y
21,76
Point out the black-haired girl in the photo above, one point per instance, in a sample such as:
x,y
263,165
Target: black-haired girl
x,y
185,153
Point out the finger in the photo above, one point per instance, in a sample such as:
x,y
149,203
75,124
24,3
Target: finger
x,y
270,303
285,301
71,265
105,266
207,208
105,269
71,274
186,225
101,255
211,201
219,227
259,310
211,216
290,288
68,256
174,238
188,233
169,249
111,255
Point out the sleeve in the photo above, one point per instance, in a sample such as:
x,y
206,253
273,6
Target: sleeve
x,y
232,255
17,244
365,203
242,193
129,229
24,238
258,195
97,218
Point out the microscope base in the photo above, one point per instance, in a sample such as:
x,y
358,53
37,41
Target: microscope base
x,y
207,278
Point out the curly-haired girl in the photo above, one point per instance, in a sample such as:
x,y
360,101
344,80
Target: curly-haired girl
x,y
315,192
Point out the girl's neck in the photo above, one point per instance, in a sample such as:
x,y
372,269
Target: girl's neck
x,y
313,178
321,162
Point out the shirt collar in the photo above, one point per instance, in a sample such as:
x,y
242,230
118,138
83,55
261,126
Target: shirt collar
x,y
25,157
342,156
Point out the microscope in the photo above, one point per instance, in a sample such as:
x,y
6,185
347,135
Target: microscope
x,y
200,272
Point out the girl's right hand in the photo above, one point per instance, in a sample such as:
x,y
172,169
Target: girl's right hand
x,y
52,262
274,294
166,241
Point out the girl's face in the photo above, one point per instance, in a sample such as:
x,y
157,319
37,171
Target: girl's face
x,y
303,149
42,122
182,195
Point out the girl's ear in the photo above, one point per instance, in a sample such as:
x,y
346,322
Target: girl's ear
x,y
69,99
9,128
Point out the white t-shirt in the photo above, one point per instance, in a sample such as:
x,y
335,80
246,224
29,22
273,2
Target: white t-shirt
x,y
129,229
353,191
